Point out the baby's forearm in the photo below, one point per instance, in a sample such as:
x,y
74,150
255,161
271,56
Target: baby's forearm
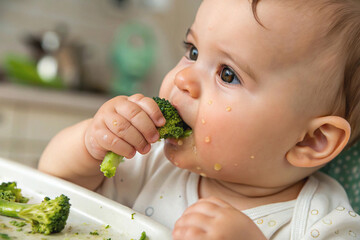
x,y
66,157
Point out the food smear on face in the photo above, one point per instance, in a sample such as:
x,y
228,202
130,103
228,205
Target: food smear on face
x,y
252,157
203,121
228,109
114,122
180,142
210,102
203,174
194,149
171,157
217,167
207,139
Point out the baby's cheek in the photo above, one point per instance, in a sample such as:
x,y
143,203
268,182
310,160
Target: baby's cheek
x,y
212,161
219,144
209,142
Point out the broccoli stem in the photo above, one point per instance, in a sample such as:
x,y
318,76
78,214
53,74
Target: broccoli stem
x,y
11,209
109,164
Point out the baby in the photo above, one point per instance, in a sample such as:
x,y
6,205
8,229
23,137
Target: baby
x,y
271,91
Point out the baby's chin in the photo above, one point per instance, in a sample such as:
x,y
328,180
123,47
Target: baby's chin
x,y
177,150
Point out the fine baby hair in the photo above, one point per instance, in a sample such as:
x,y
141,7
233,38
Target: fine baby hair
x,y
343,34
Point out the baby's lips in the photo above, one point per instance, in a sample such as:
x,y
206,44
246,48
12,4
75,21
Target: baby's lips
x,y
179,141
182,115
173,141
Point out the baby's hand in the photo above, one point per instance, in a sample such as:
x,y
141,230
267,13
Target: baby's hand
x,y
212,218
124,125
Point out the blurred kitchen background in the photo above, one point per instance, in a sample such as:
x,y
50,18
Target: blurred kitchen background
x,y
61,60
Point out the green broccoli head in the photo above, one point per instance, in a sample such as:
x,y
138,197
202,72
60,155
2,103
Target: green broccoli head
x,y
174,127
49,216
46,217
10,192
7,195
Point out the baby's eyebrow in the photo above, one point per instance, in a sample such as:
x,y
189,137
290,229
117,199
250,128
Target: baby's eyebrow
x,y
190,32
241,64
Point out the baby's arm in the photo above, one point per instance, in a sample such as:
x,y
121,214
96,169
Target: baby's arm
x,y
67,157
212,218
123,125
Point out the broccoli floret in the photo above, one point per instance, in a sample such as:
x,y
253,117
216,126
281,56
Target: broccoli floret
x,y
4,236
17,224
8,196
95,233
10,192
46,217
143,236
174,127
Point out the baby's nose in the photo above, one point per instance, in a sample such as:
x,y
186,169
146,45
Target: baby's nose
x,y
186,80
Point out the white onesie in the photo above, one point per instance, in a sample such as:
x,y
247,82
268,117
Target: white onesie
x,y
151,185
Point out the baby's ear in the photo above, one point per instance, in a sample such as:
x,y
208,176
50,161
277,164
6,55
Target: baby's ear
x,y
325,138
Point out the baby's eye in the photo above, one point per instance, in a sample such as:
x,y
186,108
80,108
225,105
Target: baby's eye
x,y
228,76
192,53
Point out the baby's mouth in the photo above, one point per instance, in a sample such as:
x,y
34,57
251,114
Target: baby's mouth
x,y
173,141
179,142
187,126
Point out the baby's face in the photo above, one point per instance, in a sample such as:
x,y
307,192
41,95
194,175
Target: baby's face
x,y
246,90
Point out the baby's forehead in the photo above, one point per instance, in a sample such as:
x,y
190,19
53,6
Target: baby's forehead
x,y
286,31
295,23
301,29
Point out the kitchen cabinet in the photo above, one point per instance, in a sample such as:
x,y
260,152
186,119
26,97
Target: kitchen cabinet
x,y
30,117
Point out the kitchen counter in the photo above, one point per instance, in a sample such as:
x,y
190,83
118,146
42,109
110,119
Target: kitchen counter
x,y
30,117
74,100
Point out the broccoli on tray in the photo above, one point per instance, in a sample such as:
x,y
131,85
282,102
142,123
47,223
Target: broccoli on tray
x,y
10,192
174,127
46,217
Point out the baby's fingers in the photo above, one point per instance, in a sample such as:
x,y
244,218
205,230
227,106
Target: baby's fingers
x,y
139,118
191,226
150,107
123,129
106,139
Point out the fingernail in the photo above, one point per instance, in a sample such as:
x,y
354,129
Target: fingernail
x,y
155,137
161,121
132,154
146,148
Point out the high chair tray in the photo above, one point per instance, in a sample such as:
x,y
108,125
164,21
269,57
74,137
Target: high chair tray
x,y
90,213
